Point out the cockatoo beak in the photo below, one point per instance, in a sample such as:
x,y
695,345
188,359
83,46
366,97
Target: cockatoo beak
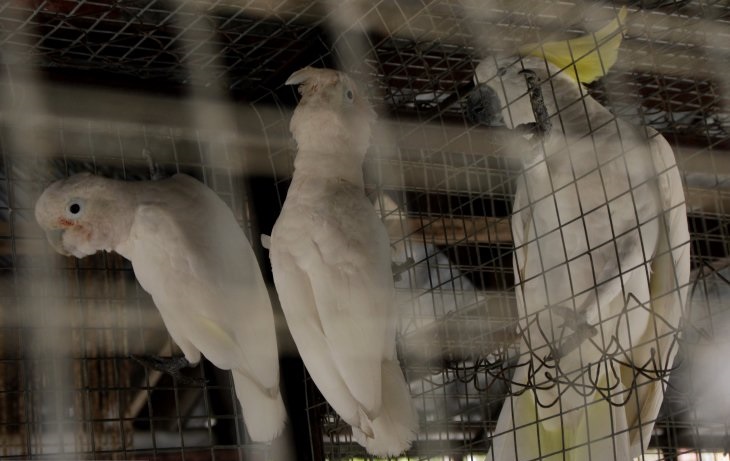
x,y
484,107
323,76
302,75
55,238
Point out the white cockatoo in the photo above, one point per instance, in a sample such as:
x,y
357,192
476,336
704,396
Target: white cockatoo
x,y
601,258
187,251
331,259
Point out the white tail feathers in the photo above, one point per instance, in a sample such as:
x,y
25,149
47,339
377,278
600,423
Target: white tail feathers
x,y
395,427
264,414
600,433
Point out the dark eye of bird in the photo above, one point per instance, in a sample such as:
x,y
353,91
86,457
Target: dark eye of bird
x,y
349,95
74,208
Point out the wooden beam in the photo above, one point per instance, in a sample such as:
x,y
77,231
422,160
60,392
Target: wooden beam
x,y
458,230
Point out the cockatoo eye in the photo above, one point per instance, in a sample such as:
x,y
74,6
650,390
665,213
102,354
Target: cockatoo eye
x,y
349,95
74,209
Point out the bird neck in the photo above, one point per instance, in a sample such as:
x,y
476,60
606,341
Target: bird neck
x,y
329,163
125,214
583,118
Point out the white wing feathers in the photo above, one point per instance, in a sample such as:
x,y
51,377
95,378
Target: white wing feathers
x,y
212,297
331,263
349,306
296,292
669,284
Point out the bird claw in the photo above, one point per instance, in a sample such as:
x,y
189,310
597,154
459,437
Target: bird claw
x,y
170,366
398,269
571,318
542,125
572,342
576,322
528,128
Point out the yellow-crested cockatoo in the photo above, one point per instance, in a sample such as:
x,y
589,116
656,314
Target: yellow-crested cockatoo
x,y
601,257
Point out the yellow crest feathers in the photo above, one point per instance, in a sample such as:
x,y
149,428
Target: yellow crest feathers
x,y
585,58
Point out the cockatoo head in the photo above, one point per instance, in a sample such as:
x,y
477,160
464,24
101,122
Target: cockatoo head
x,y
332,111
83,214
501,95
557,67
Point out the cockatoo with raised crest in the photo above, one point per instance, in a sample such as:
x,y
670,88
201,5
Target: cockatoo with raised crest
x,y
331,260
187,251
601,257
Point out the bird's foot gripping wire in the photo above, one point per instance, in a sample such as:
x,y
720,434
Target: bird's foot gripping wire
x,y
170,366
399,268
540,128
576,322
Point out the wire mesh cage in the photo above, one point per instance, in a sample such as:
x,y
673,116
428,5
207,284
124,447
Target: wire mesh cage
x,y
130,88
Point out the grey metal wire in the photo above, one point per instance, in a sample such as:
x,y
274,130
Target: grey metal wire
x,y
455,343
